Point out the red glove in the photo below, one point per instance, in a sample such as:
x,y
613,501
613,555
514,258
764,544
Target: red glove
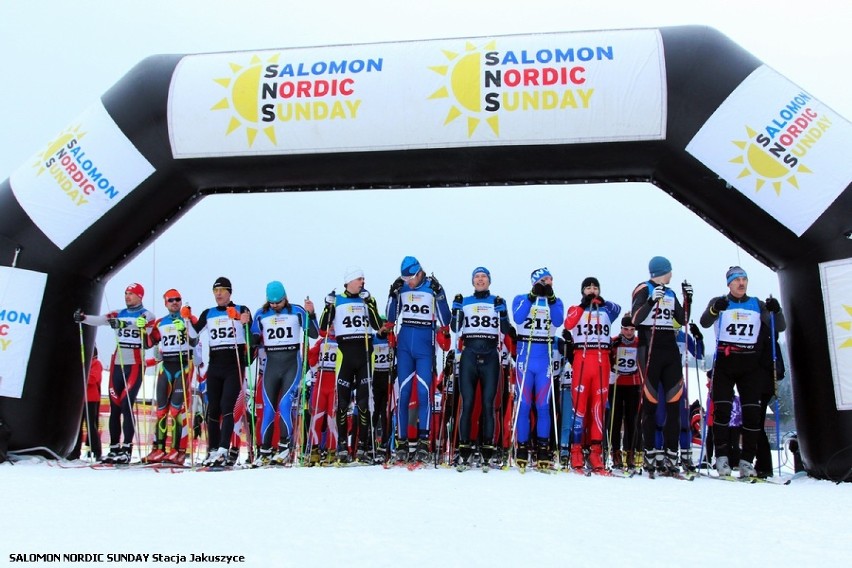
x,y
232,313
186,312
392,340
443,338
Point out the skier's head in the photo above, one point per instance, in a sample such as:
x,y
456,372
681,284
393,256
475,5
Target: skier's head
x,y
737,280
172,301
541,275
411,271
660,269
628,330
222,291
353,279
133,294
480,278
590,285
275,292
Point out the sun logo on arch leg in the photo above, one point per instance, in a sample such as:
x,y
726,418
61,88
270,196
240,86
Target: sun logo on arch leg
x,y
764,166
847,325
54,146
463,83
243,98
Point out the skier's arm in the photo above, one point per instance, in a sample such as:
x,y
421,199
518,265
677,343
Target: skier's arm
x,y
640,307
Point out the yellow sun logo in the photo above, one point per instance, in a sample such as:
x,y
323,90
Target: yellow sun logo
x,y
243,98
53,147
463,73
847,325
767,168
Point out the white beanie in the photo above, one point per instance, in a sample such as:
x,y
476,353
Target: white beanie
x,y
352,273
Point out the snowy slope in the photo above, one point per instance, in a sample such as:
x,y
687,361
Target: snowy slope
x,y
372,517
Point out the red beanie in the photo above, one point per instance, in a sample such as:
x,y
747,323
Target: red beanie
x,y
137,289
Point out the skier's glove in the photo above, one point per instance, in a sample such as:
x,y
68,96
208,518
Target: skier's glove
x,y
696,333
141,322
657,294
330,299
396,286
687,292
499,305
719,305
435,285
457,301
79,316
116,323
772,305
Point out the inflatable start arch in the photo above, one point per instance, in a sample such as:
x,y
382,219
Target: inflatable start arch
x,y
683,108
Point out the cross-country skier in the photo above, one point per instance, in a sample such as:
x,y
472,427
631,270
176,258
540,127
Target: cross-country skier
x,y
125,369
590,324
176,341
655,310
355,317
535,314
625,396
418,303
279,327
322,357
226,326
742,324
479,319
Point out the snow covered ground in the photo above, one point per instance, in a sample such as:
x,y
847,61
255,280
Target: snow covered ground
x,y
368,516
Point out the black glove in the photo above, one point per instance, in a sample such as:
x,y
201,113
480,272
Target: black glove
x,y
435,285
538,289
458,299
396,286
586,301
364,295
79,316
512,333
687,291
568,339
499,305
696,333
720,304
331,298
116,323
772,305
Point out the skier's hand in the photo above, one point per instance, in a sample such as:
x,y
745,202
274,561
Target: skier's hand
x,y
499,305
330,298
364,295
687,292
772,305
396,286
79,316
186,312
116,323
179,325
719,305
696,333
435,285
141,322
657,294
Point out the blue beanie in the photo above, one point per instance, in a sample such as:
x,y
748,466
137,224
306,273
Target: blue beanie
x,y
735,272
658,266
481,269
275,291
539,273
410,266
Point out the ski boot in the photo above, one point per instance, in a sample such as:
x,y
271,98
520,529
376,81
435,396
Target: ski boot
x,y
488,459
156,455
723,468
686,462
314,457
216,458
668,466
422,454
175,456
403,450
114,450
565,456
342,454
543,455
630,461
522,456
465,451
264,458
649,462
231,457
124,452
639,460
578,458
747,469
362,455
283,455
328,458
596,463
617,459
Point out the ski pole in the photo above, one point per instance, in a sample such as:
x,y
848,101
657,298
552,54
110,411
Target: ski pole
x,y
777,406
85,388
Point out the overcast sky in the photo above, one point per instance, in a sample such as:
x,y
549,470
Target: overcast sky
x,y
58,59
